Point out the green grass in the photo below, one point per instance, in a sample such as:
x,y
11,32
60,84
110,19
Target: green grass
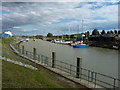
x,y
5,44
15,76
6,40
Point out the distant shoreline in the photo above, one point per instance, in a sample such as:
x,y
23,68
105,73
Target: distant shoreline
x,y
104,45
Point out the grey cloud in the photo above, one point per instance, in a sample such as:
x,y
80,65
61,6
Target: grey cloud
x,y
44,13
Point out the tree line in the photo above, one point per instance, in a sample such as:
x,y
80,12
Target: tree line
x,y
95,32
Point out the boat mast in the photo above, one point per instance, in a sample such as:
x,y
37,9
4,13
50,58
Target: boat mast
x,y
62,35
78,33
58,35
78,29
69,31
82,29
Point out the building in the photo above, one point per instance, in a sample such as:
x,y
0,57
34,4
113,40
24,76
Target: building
x,y
9,33
6,34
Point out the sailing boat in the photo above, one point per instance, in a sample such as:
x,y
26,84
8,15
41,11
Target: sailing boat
x,y
81,43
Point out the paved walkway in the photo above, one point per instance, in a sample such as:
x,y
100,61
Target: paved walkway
x,y
18,63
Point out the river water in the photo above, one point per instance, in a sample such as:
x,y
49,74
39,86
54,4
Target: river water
x,y
97,59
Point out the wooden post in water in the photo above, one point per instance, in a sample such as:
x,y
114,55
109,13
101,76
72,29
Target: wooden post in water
x,y
23,49
53,59
78,68
34,53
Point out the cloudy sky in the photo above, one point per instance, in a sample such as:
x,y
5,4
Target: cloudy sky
x,y
39,18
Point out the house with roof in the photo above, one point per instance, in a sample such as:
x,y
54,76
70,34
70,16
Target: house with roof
x,y
6,34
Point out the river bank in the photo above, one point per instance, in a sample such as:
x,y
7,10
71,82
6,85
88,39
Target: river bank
x,y
101,44
105,45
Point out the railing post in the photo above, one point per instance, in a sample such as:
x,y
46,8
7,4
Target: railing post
x,y
114,84
46,60
78,68
30,54
88,76
92,76
23,49
70,69
42,59
95,78
26,53
53,59
38,58
18,47
34,53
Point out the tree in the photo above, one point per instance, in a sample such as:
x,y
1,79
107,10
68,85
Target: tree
x,y
49,35
108,32
72,36
111,32
87,34
119,32
103,32
115,31
95,32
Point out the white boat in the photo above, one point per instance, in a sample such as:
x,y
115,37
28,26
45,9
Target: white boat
x,y
24,40
115,47
67,42
57,41
80,45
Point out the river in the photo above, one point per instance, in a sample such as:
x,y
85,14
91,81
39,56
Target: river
x,y
97,59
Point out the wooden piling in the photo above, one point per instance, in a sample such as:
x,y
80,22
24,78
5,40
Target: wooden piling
x,y
34,53
23,49
53,59
78,68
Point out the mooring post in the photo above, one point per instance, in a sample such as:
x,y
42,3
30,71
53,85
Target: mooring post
x,y
53,59
34,53
78,68
23,49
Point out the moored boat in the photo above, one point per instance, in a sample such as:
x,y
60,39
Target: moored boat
x,y
24,40
80,45
116,47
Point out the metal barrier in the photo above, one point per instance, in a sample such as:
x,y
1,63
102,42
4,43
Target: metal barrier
x,y
75,71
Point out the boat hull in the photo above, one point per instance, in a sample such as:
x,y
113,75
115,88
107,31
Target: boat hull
x,y
80,46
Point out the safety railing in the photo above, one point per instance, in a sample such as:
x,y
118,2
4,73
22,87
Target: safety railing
x,y
75,71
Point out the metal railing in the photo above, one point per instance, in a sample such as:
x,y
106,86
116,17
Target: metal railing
x,y
88,75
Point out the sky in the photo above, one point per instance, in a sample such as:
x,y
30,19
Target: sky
x,y
40,18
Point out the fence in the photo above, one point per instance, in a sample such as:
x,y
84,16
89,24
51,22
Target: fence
x,y
74,71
